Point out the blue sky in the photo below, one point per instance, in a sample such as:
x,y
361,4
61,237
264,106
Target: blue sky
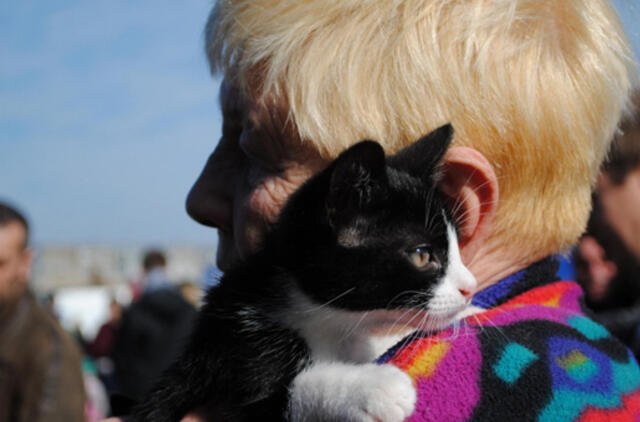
x,y
108,113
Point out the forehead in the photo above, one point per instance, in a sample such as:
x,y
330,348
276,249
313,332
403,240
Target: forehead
x,y
266,128
12,238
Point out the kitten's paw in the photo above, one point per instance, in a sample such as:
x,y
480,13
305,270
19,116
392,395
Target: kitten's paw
x,y
351,393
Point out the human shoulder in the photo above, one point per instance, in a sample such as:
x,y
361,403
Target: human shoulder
x,y
522,359
49,366
54,354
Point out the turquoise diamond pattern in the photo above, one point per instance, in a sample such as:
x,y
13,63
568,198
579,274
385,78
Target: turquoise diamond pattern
x,y
515,358
588,328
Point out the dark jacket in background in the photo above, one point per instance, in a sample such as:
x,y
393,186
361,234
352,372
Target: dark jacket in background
x,y
40,367
150,337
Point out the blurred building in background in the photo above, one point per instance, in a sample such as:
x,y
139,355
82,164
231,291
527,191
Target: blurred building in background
x,y
59,267
80,281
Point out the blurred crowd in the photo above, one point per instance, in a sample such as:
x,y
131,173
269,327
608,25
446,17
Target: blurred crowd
x,y
48,374
607,258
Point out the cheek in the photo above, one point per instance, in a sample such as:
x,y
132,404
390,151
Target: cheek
x,y
4,279
270,195
261,206
9,273
267,199
252,215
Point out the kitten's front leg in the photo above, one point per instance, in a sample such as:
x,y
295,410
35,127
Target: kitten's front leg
x,y
339,392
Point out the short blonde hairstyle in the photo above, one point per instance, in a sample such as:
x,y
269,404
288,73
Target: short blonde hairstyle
x,y
537,86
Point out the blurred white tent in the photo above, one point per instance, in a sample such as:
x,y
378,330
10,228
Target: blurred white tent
x,y
87,308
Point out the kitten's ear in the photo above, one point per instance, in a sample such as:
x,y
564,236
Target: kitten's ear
x,y
421,158
358,178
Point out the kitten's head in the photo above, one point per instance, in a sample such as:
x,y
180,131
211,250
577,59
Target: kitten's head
x,y
373,232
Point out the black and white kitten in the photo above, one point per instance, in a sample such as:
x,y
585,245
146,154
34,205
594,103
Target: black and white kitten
x,y
364,253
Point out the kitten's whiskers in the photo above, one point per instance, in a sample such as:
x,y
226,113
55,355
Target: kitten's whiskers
x,y
327,303
353,328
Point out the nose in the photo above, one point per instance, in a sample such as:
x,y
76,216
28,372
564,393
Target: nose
x,y
210,200
466,283
466,293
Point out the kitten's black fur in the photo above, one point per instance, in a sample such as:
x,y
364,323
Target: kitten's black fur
x,y
341,238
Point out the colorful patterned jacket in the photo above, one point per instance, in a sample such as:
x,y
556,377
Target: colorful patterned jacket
x,y
533,355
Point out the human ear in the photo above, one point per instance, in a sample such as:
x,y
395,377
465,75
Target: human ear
x,y
470,182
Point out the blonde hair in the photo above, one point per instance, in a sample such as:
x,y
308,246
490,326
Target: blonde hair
x,y
537,86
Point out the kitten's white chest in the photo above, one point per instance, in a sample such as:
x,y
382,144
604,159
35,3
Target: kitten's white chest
x,y
337,335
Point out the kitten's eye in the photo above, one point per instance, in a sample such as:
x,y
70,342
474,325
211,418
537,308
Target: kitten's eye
x,y
422,258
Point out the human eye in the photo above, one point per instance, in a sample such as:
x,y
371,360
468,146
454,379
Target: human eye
x,y
259,153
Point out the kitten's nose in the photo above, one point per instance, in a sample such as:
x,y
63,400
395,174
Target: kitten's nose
x,y
466,283
467,293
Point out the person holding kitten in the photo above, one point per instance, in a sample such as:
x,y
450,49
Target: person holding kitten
x,y
534,91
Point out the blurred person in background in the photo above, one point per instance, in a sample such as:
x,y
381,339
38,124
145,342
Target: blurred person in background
x,y
40,366
191,293
608,256
155,271
151,332
154,276
101,348
102,344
